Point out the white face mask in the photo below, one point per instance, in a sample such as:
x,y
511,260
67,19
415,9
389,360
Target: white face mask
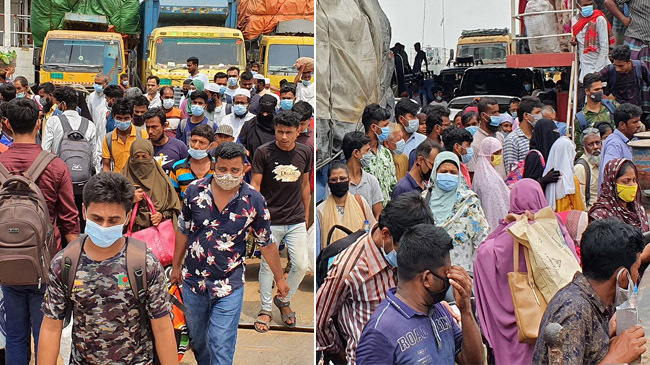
x,y
228,181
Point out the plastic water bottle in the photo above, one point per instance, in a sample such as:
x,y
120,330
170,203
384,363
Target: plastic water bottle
x,y
366,226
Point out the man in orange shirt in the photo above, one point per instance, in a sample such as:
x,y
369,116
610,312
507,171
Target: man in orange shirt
x,y
173,114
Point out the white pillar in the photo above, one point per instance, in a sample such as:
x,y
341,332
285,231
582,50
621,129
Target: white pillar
x,y
7,26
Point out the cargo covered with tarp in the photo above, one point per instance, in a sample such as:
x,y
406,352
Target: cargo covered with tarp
x,y
257,17
355,66
48,15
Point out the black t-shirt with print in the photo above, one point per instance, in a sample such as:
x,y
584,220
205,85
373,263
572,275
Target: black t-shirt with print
x,y
282,176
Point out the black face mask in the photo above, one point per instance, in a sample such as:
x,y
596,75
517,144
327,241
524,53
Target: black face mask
x,y
138,120
339,189
425,175
439,296
492,128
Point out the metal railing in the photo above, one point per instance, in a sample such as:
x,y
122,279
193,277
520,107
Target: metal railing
x,y
20,32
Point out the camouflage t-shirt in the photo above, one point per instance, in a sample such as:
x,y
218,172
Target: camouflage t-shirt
x,y
106,328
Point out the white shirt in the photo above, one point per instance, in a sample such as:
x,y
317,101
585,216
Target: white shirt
x,y
230,92
96,106
53,135
156,102
236,122
217,115
200,77
306,93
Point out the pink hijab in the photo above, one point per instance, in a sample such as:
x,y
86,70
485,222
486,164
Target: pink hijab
x,y
488,185
491,267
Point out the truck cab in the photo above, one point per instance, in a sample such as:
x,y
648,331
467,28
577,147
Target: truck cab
x,y
216,48
492,46
77,56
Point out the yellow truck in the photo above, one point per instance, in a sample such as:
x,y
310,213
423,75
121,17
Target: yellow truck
x,y
76,56
492,46
216,48
278,52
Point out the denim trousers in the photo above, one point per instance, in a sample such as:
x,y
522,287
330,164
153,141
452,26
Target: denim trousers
x,y
295,238
212,324
24,317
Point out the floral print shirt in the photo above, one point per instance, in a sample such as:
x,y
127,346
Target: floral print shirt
x,y
214,262
383,168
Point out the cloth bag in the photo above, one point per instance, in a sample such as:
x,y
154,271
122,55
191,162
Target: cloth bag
x,y
528,301
160,240
552,262
178,320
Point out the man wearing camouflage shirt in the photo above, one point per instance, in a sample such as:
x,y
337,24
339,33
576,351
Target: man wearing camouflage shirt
x,y
106,318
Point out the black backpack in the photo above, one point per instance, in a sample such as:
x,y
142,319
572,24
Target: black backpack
x,y
322,261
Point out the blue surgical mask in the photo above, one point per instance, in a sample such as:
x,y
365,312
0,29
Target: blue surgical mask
x,y
98,88
527,87
514,115
495,120
587,11
123,125
239,109
254,73
168,103
189,93
222,89
439,98
197,154
447,182
472,129
232,81
197,110
399,149
20,95
366,159
306,82
467,157
286,104
413,126
391,257
103,237
385,131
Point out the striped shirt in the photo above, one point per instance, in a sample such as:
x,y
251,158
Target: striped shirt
x,y
515,149
182,175
640,13
356,283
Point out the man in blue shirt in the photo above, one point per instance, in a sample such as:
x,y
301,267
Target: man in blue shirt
x,y
417,178
406,114
411,326
628,122
217,215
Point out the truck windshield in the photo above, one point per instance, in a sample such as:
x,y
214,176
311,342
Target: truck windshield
x,y
282,57
209,51
489,52
73,52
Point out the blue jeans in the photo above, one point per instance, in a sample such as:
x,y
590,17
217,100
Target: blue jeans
x,y
213,325
295,237
24,316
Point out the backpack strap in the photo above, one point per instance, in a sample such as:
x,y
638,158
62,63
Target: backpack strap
x,y
358,199
65,124
580,116
4,173
611,77
39,165
70,261
136,266
83,127
109,143
583,162
638,71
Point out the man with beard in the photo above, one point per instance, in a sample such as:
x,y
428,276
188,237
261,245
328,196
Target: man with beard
x,y
167,150
412,325
260,129
587,166
45,92
418,177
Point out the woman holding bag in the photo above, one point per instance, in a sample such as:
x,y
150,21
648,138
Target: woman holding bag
x,y
149,178
494,260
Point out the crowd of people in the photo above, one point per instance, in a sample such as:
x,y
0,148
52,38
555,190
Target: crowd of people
x,y
227,166
473,177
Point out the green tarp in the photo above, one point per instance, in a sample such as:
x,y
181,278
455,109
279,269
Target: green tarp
x,y
48,15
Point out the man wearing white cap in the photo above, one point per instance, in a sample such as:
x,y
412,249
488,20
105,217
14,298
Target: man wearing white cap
x,y
305,88
240,114
216,109
255,99
267,87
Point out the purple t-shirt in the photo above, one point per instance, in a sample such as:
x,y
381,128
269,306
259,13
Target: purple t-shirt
x,y
169,153
397,334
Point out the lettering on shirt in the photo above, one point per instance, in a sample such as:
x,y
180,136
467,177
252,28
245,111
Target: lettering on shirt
x,y
412,338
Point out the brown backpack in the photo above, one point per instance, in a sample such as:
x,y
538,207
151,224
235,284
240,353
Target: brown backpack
x,y
27,240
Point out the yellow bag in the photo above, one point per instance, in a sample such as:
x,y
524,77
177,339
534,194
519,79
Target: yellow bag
x,y
552,262
528,302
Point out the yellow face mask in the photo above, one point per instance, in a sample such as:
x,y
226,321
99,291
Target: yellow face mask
x,y
497,160
627,193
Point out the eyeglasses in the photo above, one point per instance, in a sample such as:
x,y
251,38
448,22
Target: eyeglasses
x,y
338,180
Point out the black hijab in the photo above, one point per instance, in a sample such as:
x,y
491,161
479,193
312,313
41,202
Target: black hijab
x,y
260,129
544,135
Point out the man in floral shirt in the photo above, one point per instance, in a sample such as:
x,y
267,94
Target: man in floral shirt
x,y
376,122
218,213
